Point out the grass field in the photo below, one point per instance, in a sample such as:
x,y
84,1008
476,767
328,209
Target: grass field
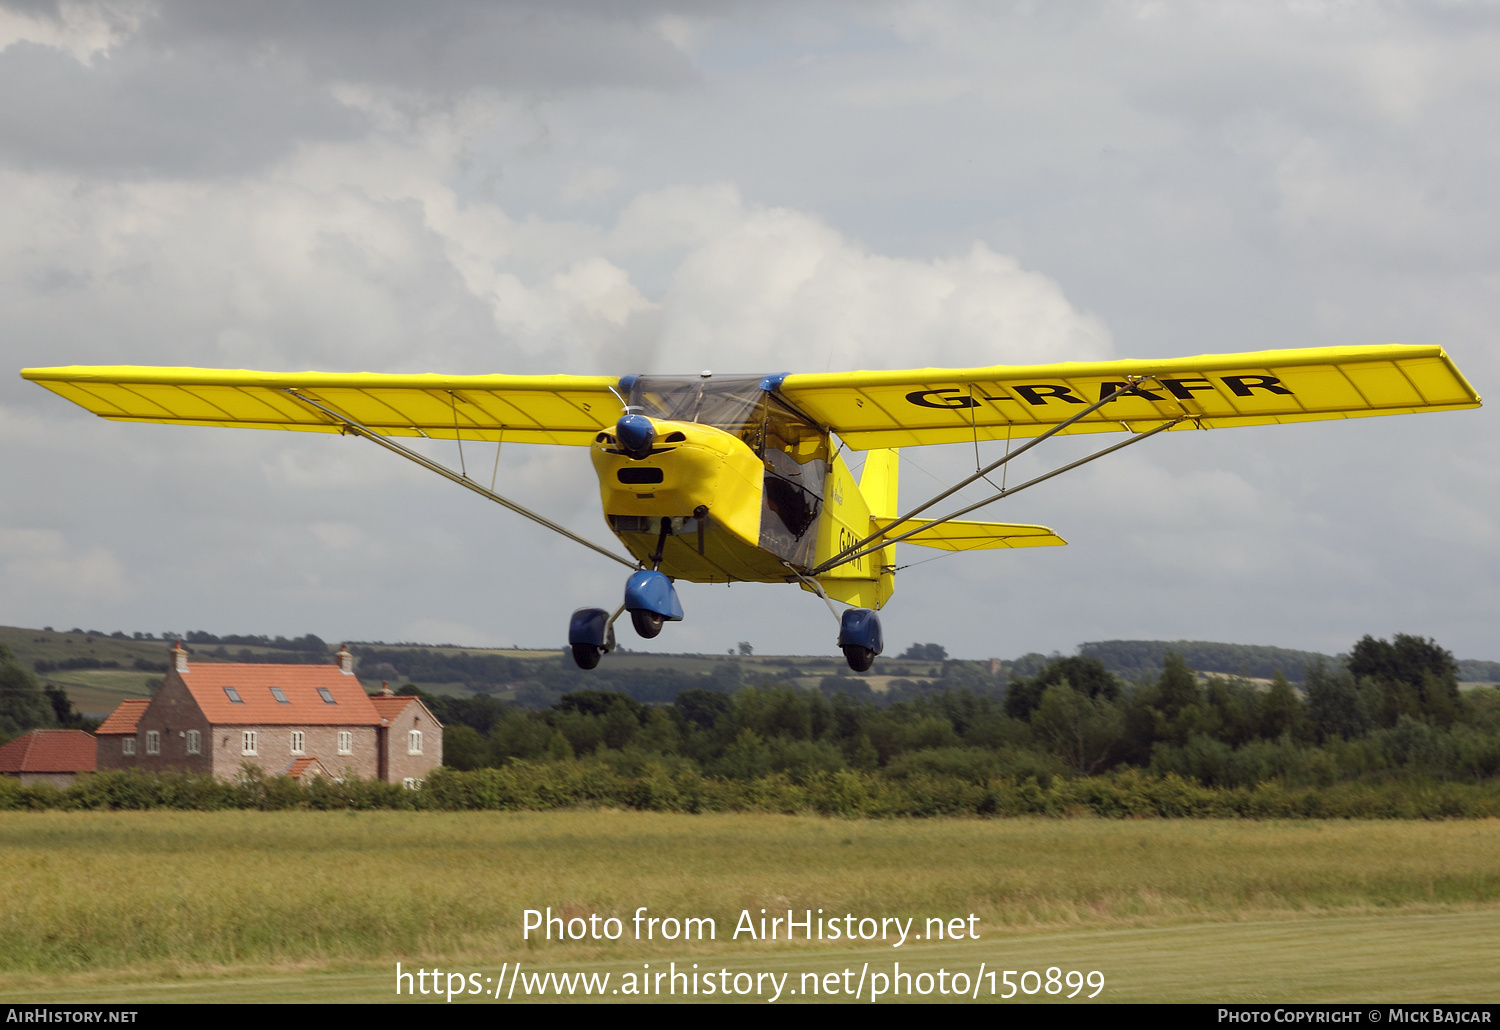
x,y
193,906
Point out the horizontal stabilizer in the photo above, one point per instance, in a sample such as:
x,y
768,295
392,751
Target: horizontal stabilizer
x,y
958,535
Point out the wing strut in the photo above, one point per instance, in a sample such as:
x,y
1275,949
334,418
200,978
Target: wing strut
x,y
845,557
350,426
1132,383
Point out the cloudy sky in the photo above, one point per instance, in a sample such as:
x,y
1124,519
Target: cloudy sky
x,y
612,188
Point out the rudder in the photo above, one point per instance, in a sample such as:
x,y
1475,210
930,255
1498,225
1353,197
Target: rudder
x,y
878,482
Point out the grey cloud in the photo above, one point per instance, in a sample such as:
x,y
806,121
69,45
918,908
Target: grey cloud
x,y
436,46
186,113
216,88
35,8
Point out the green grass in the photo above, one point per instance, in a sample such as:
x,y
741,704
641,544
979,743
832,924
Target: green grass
x,y
97,692
1392,958
29,645
304,905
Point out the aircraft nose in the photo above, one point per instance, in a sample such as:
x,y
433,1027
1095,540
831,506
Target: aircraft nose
x,y
636,434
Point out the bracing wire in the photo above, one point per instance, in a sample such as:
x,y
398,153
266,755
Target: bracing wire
x,y
463,469
495,473
349,425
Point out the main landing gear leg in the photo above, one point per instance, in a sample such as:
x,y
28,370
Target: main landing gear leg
x,y
859,628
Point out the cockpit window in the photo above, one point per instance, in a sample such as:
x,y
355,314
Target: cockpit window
x,y
730,403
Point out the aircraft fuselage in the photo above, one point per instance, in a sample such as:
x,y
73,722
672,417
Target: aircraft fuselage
x,y
747,488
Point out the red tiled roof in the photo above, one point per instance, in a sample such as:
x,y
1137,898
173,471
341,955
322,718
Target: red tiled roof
x,y
298,683
390,707
124,718
302,765
50,751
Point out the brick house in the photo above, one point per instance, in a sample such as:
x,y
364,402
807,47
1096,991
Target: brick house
x,y
117,728
49,756
297,720
410,741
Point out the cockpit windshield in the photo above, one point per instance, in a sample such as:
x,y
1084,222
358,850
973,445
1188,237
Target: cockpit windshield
x,y
730,403
794,449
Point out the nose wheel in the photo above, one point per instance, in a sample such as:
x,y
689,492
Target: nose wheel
x,y
647,624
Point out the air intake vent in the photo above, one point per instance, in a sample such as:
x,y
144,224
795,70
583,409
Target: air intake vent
x,y
639,474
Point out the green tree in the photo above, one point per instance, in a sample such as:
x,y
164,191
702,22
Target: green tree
x,y
1083,731
746,759
558,748
1282,711
1086,675
464,748
1335,706
1178,687
23,706
1235,707
1419,678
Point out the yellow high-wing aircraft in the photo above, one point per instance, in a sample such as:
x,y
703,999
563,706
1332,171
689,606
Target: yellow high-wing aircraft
x,y
714,479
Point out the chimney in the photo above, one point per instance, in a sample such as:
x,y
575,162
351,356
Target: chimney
x,y
346,660
179,658
386,691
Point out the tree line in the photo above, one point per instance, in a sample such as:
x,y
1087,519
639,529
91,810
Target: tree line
x,y
1392,710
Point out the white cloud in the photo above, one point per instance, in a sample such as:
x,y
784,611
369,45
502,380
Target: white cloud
x,y
770,288
84,31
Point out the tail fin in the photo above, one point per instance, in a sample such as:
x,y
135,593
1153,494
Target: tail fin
x,y
878,481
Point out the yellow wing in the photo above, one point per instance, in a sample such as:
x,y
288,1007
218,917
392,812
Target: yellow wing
x,y
522,409
973,536
936,405
866,409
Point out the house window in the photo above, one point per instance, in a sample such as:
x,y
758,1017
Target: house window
x,y
127,746
279,696
234,696
414,742
193,742
298,742
327,696
153,742
346,742
412,783
249,743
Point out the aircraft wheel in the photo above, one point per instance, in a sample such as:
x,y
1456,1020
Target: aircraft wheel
x,y
859,658
586,656
647,624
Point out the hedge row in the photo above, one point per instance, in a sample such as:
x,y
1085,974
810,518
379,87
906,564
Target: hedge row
x,y
542,786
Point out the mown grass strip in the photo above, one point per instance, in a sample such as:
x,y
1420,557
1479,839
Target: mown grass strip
x,y
1394,958
174,893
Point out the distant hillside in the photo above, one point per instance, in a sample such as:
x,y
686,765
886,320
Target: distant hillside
x,y
1472,671
1134,659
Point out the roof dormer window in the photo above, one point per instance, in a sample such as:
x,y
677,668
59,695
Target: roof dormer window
x,y
279,696
326,695
234,696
